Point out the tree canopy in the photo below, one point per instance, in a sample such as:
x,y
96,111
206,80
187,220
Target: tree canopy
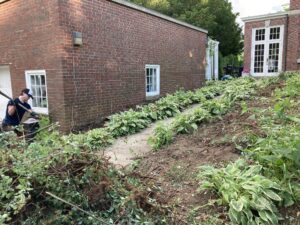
x,y
214,15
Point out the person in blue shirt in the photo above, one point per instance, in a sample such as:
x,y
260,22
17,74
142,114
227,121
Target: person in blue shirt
x,y
15,112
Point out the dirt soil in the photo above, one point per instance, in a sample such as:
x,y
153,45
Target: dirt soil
x,y
126,150
173,170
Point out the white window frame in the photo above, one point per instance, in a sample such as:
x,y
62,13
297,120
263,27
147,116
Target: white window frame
x,y
157,92
28,73
267,43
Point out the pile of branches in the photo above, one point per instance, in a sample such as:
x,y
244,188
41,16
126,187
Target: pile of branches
x,y
53,182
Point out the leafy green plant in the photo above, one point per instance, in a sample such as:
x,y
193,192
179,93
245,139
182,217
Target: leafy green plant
x,y
252,198
236,90
217,107
184,124
162,136
128,122
281,106
10,140
244,107
98,138
75,175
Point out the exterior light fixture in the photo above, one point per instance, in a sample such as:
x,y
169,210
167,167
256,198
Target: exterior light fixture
x,y
298,61
77,38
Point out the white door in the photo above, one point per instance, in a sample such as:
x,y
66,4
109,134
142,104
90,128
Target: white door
x,y
5,87
267,49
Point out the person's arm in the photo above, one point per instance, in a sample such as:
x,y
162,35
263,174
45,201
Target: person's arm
x,y
11,110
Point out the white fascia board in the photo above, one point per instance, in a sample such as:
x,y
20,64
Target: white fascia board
x,y
1,1
265,17
157,14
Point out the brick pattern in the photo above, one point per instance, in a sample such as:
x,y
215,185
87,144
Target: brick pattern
x,y
105,75
293,49
294,4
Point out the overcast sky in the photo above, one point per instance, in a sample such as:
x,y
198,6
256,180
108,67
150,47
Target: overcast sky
x,y
257,7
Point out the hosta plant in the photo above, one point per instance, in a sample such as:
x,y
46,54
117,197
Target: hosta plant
x,y
162,136
98,138
252,198
128,122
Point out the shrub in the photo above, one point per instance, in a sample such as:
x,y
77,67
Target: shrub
x,y
252,198
162,136
98,138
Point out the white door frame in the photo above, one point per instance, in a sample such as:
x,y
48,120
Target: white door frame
x,y
8,91
266,44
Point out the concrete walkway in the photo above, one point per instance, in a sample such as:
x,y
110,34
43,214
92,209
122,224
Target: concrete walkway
x,y
126,149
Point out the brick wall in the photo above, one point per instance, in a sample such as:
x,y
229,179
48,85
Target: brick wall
x,y
248,39
30,40
293,49
106,74
294,4
86,84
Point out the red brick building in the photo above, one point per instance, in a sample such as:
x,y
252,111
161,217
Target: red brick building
x,y
128,54
272,42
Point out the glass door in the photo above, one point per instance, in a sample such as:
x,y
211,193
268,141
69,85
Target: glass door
x,y
267,47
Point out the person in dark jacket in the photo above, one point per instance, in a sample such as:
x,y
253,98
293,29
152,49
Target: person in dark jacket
x,y
15,111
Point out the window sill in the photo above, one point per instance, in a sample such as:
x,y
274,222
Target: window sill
x,y
40,110
152,97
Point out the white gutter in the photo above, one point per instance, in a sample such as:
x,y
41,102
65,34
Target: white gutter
x,y
1,1
157,14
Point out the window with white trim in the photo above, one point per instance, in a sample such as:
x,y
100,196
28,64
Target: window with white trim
x,y
36,82
152,80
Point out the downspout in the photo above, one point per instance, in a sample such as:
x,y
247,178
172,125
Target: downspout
x,y
286,40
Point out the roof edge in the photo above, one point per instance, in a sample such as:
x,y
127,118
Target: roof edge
x,y
157,14
266,16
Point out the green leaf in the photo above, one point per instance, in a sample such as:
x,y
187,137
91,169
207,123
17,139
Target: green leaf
x,y
237,205
233,215
272,218
294,119
263,215
194,126
272,195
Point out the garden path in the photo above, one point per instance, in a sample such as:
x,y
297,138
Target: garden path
x,y
126,150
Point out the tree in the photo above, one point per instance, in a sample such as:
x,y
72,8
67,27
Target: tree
x,y
214,15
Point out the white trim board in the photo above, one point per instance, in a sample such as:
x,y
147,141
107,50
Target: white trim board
x,y
157,14
271,16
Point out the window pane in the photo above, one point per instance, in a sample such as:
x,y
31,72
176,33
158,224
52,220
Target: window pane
x,y
37,80
33,91
260,35
259,58
34,102
32,81
39,92
44,103
151,79
44,93
273,60
275,33
43,81
154,80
